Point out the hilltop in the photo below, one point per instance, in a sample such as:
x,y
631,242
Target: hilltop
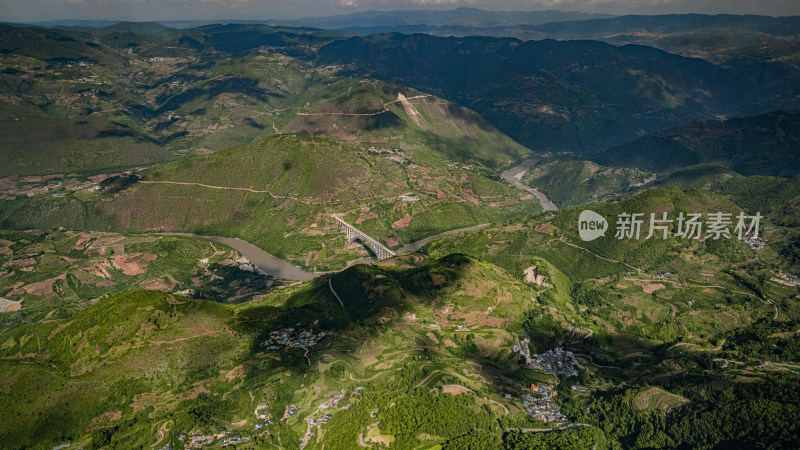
x,y
429,128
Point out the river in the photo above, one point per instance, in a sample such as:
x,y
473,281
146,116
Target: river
x,y
271,265
278,268
514,175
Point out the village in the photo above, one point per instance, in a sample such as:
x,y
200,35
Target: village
x,y
786,279
199,440
393,154
555,361
754,242
262,414
314,423
543,408
290,338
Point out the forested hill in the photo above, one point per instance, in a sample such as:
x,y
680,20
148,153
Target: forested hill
x,y
557,95
761,145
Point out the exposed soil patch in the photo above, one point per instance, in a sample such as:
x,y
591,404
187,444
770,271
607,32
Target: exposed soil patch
x,y
20,262
546,228
648,287
43,288
454,390
9,305
234,373
145,400
133,264
532,275
363,219
495,322
402,223
104,420
164,284
59,329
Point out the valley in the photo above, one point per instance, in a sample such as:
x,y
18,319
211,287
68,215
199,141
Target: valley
x,y
429,229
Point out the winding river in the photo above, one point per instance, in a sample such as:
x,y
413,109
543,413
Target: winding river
x,y
278,268
514,175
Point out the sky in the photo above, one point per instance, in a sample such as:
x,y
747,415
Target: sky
x,y
142,10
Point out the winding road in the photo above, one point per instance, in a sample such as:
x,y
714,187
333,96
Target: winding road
x,y
361,436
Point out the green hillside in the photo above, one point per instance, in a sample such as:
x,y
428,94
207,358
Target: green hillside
x,y
151,365
572,183
620,284
279,193
53,275
73,101
425,342
152,93
125,148
423,125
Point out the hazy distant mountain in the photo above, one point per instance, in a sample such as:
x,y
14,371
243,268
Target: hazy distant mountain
x,y
561,25
718,38
671,23
470,17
